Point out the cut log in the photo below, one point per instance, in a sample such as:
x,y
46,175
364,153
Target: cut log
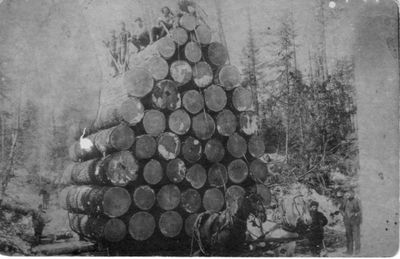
x,y
203,34
154,122
191,200
233,193
138,82
217,175
117,138
189,224
196,176
215,98
77,153
64,196
141,226
193,101
64,248
144,197
226,123
132,111
203,126
153,172
169,145
236,145
170,223
193,52
166,95
238,171
256,146
229,77
179,35
202,74
168,197
157,66
191,150
213,200
265,193
248,122
258,171
166,47
181,72
188,22
82,173
179,122
242,99
214,150
176,170
217,54
145,147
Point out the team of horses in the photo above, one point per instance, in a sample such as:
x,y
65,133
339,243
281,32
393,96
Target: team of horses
x,y
249,223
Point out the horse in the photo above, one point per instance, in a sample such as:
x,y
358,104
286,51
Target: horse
x,y
284,224
224,233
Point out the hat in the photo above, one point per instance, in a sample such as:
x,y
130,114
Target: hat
x,y
314,203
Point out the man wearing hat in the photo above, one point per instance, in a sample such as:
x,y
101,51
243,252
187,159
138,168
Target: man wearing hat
x,y
140,37
316,229
351,211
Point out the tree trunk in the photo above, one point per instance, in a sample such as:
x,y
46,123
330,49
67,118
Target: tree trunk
x,y
217,175
181,72
188,22
236,145
203,34
153,172
141,226
203,126
179,35
117,138
193,101
189,224
144,197
169,145
214,150
217,54
238,171
233,193
169,196
202,74
193,52
145,147
176,170
215,98
196,176
154,122
138,82
179,122
258,171
242,99
226,123
256,146
191,200
170,223
213,200
229,77
248,122
166,95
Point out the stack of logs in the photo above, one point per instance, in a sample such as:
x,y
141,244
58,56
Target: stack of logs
x,y
174,136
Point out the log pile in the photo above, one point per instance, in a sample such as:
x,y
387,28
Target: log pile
x,y
175,136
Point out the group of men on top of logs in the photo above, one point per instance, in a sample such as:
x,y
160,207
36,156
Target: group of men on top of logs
x,y
142,37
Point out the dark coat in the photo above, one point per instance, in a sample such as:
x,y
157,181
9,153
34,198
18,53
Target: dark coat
x,y
316,229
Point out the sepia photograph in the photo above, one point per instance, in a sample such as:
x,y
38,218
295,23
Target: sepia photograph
x,y
258,128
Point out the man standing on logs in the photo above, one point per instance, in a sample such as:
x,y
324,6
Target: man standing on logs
x,y
351,211
140,37
123,39
165,23
112,46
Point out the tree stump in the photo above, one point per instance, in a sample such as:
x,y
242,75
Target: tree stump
x,y
154,122
226,123
196,176
141,226
193,101
153,172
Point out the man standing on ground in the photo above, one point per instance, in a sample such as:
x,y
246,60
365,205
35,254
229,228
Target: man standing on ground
x,y
39,220
351,211
316,229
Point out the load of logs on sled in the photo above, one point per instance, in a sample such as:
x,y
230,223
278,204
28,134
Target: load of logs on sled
x,y
175,135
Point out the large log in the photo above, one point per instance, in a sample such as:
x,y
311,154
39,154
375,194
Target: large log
x,y
117,138
237,171
191,200
242,99
141,226
256,146
213,200
179,35
110,201
236,145
217,175
170,223
144,197
166,95
214,150
181,72
193,52
196,176
179,122
169,145
203,34
229,77
258,171
202,74
188,22
248,122
153,172
203,126
215,98
145,147
77,153
166,47
189,224
191,150
233,193
176,170
64,248
193,101
117,169
168,197
217,54
157,66
226,123
138,82
154,122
